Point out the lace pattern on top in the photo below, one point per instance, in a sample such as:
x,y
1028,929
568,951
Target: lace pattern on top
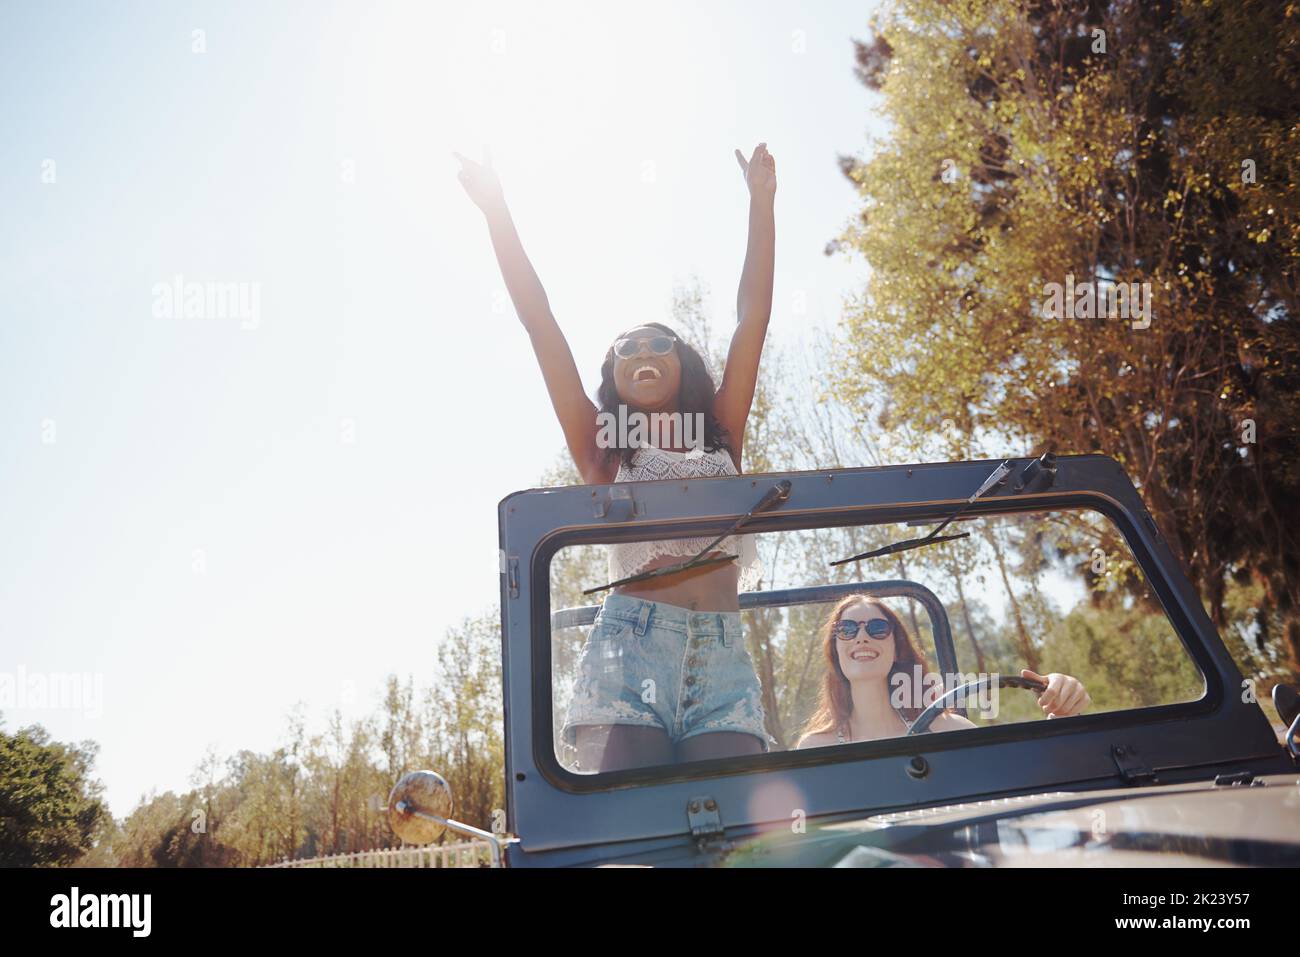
x,y
649,464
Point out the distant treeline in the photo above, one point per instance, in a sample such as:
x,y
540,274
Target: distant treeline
x,y
317,794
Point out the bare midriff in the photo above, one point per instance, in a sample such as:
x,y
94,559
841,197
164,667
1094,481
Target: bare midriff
x,y
710,588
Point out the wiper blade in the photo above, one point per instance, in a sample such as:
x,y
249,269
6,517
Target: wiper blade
x,y
695,562
902,547
998,476
779,492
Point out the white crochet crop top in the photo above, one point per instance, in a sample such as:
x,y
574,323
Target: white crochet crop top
x,y
650,463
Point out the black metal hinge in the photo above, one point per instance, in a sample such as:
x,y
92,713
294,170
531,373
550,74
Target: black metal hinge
x,y
1131,766
1240,779
616,493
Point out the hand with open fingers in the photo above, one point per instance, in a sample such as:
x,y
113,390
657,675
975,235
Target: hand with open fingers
x,y
1065,696
480,182
759,170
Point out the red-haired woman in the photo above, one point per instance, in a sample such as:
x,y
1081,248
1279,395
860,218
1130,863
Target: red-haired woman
x,y
865,643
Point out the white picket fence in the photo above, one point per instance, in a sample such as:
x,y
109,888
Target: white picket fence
x,y
467,854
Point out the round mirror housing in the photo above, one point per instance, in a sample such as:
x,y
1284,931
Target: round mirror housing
x,y
424,792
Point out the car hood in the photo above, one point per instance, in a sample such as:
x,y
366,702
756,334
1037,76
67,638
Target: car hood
x,y
1195,824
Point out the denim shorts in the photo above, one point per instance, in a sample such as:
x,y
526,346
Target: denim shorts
x,y
653,665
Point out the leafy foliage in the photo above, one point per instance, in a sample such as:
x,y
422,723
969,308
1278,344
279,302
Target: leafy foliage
x,y
1127,141
50,808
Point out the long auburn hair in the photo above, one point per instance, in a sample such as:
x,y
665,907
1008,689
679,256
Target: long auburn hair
x,y
695,395
835,703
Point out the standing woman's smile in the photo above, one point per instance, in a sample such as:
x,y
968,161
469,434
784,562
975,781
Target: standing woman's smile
x,y
647,378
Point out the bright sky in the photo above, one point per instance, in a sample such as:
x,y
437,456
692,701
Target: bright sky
x,y
219,518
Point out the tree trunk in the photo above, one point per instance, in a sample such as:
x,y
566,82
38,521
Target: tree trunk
x,y
1026,646
970,625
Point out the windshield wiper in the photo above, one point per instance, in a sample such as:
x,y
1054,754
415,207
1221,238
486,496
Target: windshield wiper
x,y
997,478
777,493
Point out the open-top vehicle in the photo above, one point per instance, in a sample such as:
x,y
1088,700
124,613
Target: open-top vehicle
x,y
1048,564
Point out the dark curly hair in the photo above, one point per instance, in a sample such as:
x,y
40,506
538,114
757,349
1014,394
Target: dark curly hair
x,y
696,395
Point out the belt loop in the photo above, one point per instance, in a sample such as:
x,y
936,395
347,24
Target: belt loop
x,y
727,636
643,619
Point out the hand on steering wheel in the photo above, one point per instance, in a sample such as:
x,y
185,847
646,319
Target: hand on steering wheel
x,y
1058,695
1064,695
969,691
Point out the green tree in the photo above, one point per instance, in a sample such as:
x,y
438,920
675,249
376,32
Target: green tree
x,y
467,744
50,808
1128,141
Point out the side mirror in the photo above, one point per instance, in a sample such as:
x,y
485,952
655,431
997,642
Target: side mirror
x,y
1287,701
419,791
419,810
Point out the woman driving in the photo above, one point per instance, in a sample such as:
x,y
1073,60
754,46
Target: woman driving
x,y
865,644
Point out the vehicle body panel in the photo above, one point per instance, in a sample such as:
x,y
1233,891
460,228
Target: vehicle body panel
x,y
566,818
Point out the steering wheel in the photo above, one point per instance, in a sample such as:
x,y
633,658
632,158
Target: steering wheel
x,y
965,692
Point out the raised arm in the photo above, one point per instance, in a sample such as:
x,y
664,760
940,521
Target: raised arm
x,y
753,298
576,412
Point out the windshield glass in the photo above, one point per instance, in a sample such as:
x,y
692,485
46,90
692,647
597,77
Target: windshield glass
x,y
1026,617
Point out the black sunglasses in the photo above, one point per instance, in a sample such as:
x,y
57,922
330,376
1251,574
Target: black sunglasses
x,y
659,346
846,629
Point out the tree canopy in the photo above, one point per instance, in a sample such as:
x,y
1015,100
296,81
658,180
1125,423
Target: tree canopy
x,y
50,807
1141,143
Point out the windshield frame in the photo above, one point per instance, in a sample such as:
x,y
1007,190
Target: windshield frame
x,y
1031,755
